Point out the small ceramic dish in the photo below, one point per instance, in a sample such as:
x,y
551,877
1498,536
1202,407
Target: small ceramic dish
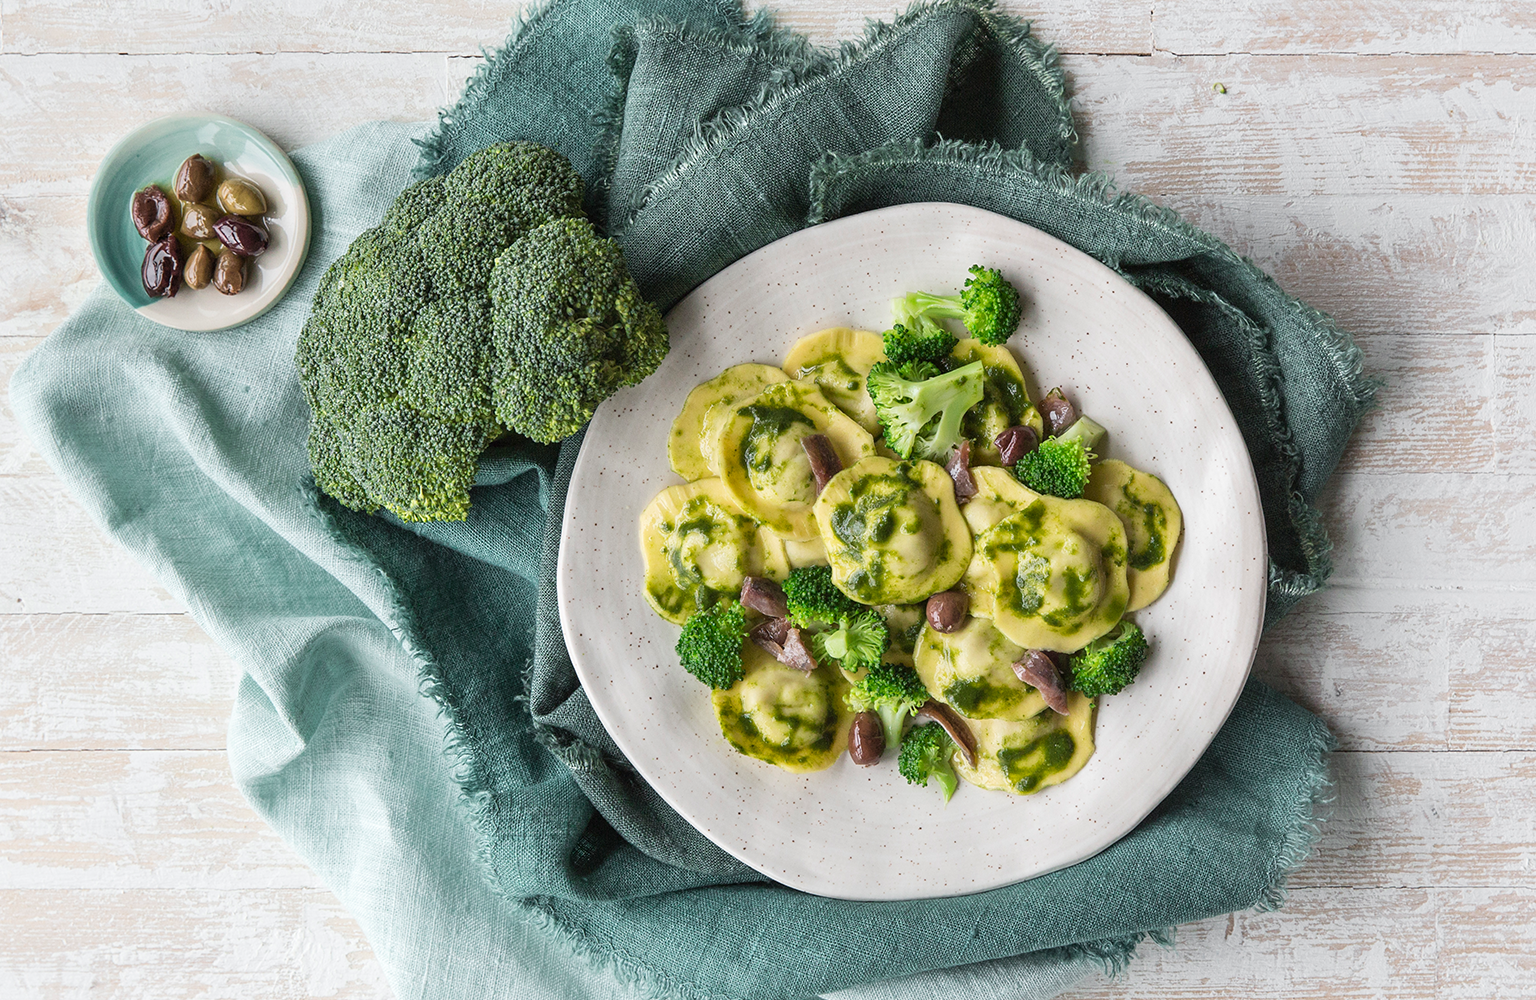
x,y
151,154
864,833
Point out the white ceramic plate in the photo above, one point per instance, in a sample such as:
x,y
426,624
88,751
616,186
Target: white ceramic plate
x,y
151,154
864,833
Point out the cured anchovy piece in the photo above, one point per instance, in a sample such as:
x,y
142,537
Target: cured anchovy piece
x,y
954,725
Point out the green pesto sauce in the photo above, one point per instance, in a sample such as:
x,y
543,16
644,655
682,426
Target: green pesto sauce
x,y
906,639
833,372
768,424
1037,760
869,519
1153,521
1077,599
742,733
979,698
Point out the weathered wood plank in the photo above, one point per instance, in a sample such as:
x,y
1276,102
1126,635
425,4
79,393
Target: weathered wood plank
x,y
1308,126
294,98
444,26
190,944
1373,944
157,819
146,819
111,682
1487,944
54,559
1377,26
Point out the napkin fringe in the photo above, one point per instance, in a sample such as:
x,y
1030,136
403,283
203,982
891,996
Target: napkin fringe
x,y
1285,585
1315,796
1111,955
716,133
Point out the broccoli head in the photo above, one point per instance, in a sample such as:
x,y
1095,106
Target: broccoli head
x,y
1061,465
916,338
892,691
812,598
928,752
988,306
1109,663
399,357
711,641
571,328
855,642
920,410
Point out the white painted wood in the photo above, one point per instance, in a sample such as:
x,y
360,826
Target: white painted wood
x,y
1376,156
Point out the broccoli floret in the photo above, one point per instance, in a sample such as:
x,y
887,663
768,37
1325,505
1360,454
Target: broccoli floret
x,y
1061,465
710,644
988,305
916,338
1109,663
927,752
892,691
570,328
399,359
812,598
856,642
921,416
1058,467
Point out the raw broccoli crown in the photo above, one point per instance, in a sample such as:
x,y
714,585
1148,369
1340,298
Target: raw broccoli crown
x,y
1059,467
926,752
921,416
859,640
710,644
991,305
570,329
888,684
811,597
1107,664
398,357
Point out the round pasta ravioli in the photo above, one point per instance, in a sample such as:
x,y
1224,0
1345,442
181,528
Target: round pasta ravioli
x,y
697,543
893,532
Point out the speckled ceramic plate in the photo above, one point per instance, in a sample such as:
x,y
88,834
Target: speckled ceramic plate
x,y
864,833
150,154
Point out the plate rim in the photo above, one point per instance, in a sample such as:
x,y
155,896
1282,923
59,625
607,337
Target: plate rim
x,y
302,212
1093,846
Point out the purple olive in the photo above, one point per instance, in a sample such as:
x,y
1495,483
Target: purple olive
x,y
162,267
151,213
866,739
1016,442
229,273
243,236
1057,411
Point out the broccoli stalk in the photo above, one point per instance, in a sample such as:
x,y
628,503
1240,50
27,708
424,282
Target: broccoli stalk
x,y
893,692
710,644
988,306
1109,663
1061,465
927,752
920,410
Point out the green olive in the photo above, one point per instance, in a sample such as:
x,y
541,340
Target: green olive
x,y
197,221
199,268
238,196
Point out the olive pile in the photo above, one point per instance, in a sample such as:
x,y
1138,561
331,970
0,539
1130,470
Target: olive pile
x,y
231,221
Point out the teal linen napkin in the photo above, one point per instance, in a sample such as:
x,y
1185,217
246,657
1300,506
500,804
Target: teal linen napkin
x,y
531,860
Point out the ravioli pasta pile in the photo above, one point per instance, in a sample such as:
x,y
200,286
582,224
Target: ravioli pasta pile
x,y
1039,573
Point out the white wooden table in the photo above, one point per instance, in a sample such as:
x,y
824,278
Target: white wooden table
x,y
1377,156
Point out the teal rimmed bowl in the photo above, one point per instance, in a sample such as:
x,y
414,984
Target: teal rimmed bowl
x,y
150,155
